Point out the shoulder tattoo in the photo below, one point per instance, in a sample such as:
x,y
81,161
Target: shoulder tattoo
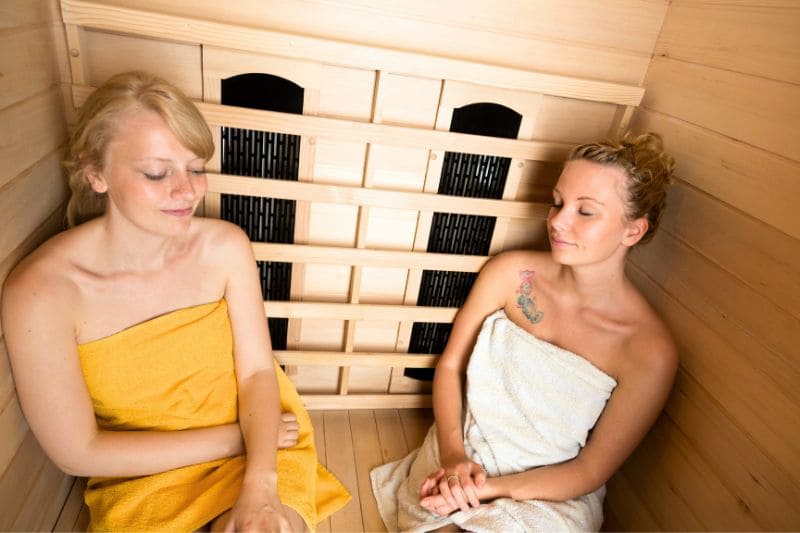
x,y
525,299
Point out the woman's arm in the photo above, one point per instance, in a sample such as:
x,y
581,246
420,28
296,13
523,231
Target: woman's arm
x,y
642,389
487,295
40,336
258,506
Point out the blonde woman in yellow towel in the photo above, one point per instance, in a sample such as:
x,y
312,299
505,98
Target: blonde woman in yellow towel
x,y
138,341
555,369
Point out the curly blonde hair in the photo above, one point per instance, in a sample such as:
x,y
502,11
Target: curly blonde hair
x,y
648,168
98,120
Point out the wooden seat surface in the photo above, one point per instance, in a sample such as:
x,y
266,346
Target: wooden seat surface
x,y
349,443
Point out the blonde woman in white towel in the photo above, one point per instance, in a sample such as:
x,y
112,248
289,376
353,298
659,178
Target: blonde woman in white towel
x,y
555,369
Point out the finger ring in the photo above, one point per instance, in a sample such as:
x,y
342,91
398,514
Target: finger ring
x,y
452,476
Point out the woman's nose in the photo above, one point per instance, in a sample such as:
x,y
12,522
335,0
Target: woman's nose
x,y
183,186
559,218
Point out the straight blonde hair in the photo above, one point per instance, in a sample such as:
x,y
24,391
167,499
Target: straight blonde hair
x,y
98,122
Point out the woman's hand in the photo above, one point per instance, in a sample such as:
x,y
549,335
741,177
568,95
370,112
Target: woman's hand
x,y
288,430
457,484
257,509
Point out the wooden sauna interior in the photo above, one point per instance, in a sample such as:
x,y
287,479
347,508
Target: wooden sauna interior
x,y
381,83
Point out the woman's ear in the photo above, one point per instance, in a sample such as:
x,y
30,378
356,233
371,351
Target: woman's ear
x,y
635,230
95,179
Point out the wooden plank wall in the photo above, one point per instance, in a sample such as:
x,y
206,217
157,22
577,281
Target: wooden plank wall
x,y
32,195
723,90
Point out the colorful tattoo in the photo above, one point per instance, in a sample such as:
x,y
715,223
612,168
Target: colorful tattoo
x,y
525,300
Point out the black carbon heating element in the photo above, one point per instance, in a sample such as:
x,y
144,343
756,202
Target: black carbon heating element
x,y
468,175
263,154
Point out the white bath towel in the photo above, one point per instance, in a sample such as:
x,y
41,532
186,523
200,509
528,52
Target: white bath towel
x,y
528,403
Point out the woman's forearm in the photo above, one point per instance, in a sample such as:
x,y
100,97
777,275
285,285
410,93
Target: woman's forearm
x,y
447,405
139,453
559,482
259,417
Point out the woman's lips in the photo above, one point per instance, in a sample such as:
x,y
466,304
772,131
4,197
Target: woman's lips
x,y
178,212
558,243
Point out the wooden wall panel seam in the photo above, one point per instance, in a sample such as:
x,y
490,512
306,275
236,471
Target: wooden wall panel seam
x,y
756,110
755,181
734,384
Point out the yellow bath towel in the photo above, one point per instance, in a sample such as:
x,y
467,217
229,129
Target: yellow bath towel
x,y
176,372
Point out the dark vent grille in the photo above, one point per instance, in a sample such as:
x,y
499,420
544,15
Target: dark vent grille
x,y
263,154
468,175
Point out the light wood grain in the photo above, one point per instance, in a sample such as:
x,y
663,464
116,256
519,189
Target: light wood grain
x,y
186,29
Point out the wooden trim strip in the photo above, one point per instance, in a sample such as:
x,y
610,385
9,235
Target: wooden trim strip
x,y
336,255
360,359
347,311
377,133
317,402
341,194
196,31
367,132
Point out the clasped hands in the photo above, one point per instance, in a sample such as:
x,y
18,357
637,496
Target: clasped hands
x,y
455,486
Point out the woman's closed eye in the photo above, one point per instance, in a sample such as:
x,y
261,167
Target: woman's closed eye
x,y
581,211
155,177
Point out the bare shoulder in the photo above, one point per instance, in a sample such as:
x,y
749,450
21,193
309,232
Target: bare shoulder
x,y
519,260
46,270
221,240
43,287
650,348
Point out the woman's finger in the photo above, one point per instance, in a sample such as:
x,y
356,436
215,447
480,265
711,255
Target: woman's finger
x,y
447,494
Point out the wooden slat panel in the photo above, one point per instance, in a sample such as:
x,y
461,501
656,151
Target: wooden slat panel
x,y
753,38
34,128
18,478
28,200
416,423
32,63
624,499
340,460
273,188
335,255
680,488
762,485
390,430
20,13
770,265
338,53
14,429
729,377
758,111
760,183
72,507
367,450
6,379
770,336
279,309
350,131
318,421
345,130
44,501
315,402
106,54
373,359
565,37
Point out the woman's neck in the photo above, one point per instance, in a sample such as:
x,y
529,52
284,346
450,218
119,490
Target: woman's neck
x,y
127,248
596,286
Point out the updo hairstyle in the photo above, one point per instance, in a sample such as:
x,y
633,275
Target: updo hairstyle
x,y
647,166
